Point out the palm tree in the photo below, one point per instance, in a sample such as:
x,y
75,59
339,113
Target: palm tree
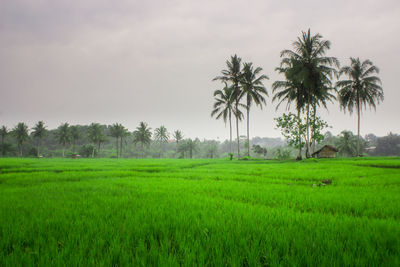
x,y
115,131
3,133
178,136
142,135
224,107
233,75
346,144
191,146
254,91
362,88
75,135
161,135
64,136
20,133
96,135
39,131
123,133
290,90
314,73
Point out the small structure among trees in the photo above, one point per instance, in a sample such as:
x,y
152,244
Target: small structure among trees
x,y
326,151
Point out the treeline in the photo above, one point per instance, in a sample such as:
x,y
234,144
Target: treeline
x,y
311,80
113,141
97,140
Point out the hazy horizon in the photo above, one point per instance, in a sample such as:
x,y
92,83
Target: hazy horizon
x,y
126,62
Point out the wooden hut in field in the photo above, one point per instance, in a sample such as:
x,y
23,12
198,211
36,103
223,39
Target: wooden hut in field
x,y
326,151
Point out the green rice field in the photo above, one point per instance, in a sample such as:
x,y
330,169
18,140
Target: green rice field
x,y
173,212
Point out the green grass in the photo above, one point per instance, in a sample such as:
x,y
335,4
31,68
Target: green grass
x,y
96,212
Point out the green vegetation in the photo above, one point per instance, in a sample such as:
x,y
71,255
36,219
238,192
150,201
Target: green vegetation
x,y
96,212
361,89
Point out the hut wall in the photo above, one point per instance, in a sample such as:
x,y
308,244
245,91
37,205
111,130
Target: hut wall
x,y
326,153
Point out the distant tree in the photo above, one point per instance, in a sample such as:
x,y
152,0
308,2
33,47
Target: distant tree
x,y
253,90
224,108
233,74
142,136
388,145
3,134
96,135
39,131
371,139
87,150
178,136
161,135
260,150
75,135
211,149
123,134
20,133
361,88
64,136
347,144
191,146
116,132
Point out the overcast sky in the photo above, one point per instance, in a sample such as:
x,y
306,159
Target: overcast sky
x,y
153,61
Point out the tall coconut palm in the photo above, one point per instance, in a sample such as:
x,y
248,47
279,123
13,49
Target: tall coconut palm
x,y
142,135
96,135
161,135
362,88
20,133
316,70
191,146
63,136
123,134
290,90
75,135
39,131
224,107
178,136
233,74
115,131
3,133
254,91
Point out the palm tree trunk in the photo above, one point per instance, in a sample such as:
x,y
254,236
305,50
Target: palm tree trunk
x,y
120,147
98,148
248,136
73,145
313,128
2,146
38,148
116,145
230,134
299,157
358,128
308,132
63,154
237,117
20,150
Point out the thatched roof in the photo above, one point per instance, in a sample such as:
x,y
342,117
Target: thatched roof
x,y
325,146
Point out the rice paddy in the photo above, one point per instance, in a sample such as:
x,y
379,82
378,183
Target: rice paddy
x,y
149,212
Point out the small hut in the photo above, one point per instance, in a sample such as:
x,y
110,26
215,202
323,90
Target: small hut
x,y
326,151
